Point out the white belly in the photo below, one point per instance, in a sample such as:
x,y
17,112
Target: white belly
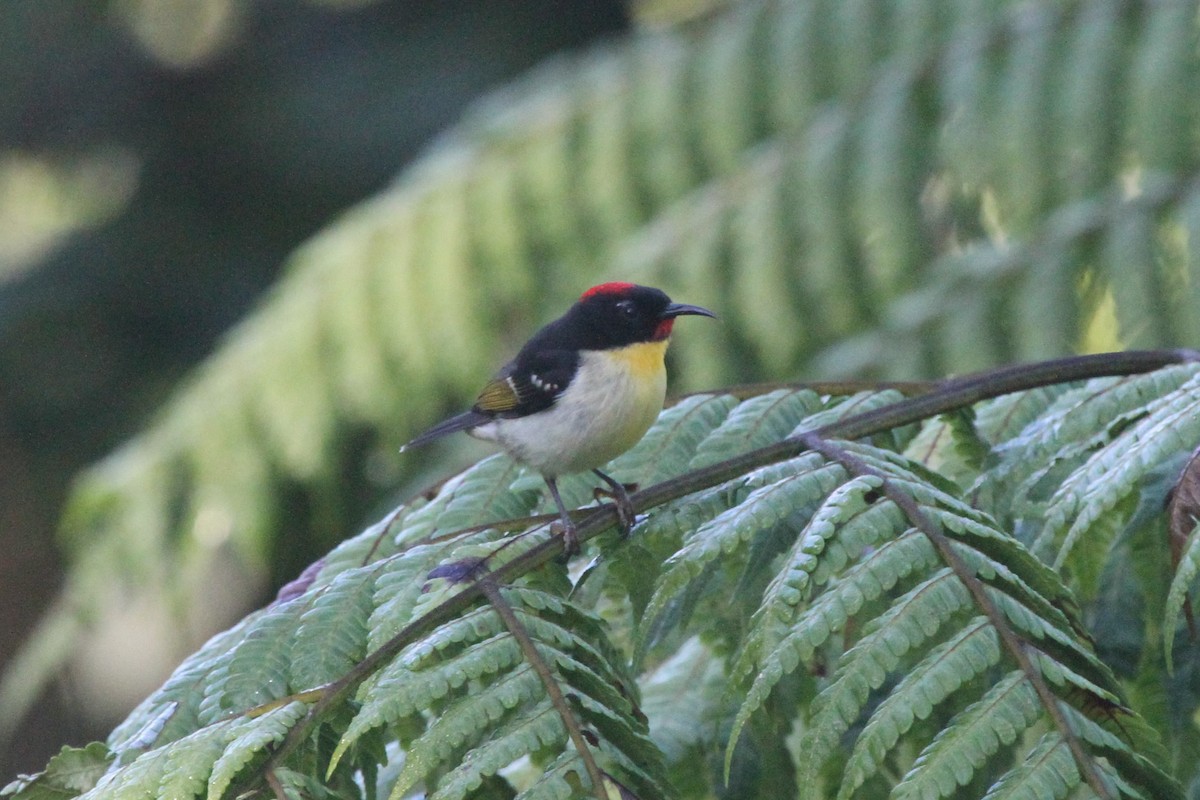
x,y
615,398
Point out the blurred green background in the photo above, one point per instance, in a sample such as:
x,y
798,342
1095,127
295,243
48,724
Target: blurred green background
x,y
158,161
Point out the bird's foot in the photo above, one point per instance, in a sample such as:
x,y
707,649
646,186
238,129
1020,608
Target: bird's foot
x,y
566,528
564,525
619,493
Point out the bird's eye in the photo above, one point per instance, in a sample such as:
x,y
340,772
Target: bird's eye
x,y
627,308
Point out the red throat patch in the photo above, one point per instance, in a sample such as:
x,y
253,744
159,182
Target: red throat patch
x,y
663,329
615,287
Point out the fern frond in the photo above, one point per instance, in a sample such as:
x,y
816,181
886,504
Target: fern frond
x,y
1048,771
532,730
1097,496
915,618
959,659
975,735
486,714
174,709
398,589
679,699
756,422
71,771
400,691
782,636
257,670
186,766
1075,424
332,635
253,740
727,534
471,717
1181,584
853,547
480,494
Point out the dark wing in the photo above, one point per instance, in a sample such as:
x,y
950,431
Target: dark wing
x,y
528,384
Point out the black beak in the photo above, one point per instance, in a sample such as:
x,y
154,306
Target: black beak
x,y
681,309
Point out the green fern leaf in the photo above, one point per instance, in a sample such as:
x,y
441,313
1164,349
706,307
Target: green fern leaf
x,y
756,422
376,542
332,635
1005,417
256,669
774,619
1099,493
727,534
909,622
1049,771
174,710
190,760
662,531
1185,574
974,736
778,641
843,407
464,722
398,690
139,778
679,699
967,654
1006,560
938,447
253,738
847,502
398,589
1059,674
176,771
473,647
70,772
1128,763
1068,651
843,512
585,635
533,729
480,494
1077,422
861,532
488,548
555,782
453,639
625,748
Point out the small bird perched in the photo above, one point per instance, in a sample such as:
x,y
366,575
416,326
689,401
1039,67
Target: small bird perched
x,y
583,390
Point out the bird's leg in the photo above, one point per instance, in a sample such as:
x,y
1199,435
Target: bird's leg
x,y
626,515
570,539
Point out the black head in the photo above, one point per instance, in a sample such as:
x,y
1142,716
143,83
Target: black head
x,y
615,315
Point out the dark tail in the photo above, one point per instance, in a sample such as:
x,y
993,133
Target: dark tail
x,y
461,422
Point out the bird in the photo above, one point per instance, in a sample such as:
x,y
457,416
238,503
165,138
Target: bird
x,y
584,389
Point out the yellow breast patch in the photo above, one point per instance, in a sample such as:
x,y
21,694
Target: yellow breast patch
x,y
643,359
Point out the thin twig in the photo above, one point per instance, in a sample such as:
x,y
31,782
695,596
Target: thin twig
x,y
276,786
